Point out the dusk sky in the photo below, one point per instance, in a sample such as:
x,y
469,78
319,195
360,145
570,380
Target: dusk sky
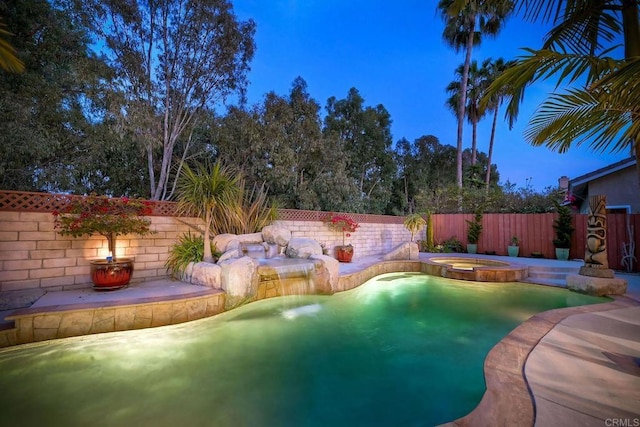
x,y
394,54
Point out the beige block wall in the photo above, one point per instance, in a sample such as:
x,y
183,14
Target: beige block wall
x,y
369,239
33,255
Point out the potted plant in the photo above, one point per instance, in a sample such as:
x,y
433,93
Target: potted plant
x,y
110,217
514,247
346,226
473,233
413,223
564,230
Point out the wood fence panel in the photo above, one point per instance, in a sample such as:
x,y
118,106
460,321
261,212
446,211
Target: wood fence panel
x,y
579,240
536,234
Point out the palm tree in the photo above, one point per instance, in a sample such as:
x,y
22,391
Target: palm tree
x,y
465,22
474,93
203,189
605,111
8,59
490,71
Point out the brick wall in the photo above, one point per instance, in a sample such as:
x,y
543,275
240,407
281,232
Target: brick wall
x,y
33,255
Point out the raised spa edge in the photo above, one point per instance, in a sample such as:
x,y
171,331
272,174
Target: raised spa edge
x,y
474,269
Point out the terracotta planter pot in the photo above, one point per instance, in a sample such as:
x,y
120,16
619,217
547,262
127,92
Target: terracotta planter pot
x,y
344,253
111,275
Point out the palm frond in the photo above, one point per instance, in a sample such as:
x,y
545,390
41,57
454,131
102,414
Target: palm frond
x,y
580,116
8,58
543,64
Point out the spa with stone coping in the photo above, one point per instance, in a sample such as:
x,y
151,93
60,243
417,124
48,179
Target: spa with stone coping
x,y
475,269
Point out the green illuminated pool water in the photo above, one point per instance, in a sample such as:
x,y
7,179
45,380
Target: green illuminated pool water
x,y
402,349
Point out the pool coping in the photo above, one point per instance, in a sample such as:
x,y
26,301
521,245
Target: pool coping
x,y
508,399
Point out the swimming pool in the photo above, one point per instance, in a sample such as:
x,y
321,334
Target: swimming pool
x,y
402,349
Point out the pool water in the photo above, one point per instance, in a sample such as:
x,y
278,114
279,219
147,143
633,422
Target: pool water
x,y
402,349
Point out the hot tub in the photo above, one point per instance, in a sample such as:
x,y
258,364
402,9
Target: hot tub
x,y
474,268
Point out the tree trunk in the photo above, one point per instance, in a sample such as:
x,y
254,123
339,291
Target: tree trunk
x,y
207,255
111,243
463,101
493,135
474,142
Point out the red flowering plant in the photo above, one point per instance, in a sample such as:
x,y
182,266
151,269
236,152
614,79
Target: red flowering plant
x,y
341,223
109,216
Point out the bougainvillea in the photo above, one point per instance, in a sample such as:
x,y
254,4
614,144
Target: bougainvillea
x,y
341,223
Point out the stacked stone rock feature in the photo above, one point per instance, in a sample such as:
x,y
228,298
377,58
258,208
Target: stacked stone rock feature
x,y
596,278
407,250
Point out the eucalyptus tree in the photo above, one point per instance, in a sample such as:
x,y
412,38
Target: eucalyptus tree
x,y
45,127
474,93
425,168
364,133
465,22
174,58
600,104
280,143
491,70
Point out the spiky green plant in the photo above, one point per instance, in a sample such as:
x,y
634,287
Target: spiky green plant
x,y
414,223
205,191
190,248
245,211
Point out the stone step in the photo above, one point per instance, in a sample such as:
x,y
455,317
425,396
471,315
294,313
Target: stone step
x,y
549,275
560,283
545,269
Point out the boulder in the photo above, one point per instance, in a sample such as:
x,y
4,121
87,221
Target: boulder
x,y
407,250
303,247
206,274
276,235
239,280
596,286
332,268
250,238
221,241
231,253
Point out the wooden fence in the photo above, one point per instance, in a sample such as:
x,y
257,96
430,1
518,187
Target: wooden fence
x,y
536,233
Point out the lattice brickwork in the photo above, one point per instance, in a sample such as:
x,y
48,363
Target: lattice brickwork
x,y
300,215
45,202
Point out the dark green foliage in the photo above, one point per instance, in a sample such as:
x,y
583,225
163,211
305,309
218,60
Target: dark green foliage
x,y
190,248
364,134
563,227
475,228
450,245
45,111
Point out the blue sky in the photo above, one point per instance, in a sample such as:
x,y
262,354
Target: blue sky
x,y
393,53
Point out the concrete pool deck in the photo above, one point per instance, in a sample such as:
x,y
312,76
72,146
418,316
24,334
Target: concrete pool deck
x,y
573,366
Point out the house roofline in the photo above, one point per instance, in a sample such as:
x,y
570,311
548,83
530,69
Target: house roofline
x,y
614,167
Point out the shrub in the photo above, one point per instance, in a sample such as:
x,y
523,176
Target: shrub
x,y
189,249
